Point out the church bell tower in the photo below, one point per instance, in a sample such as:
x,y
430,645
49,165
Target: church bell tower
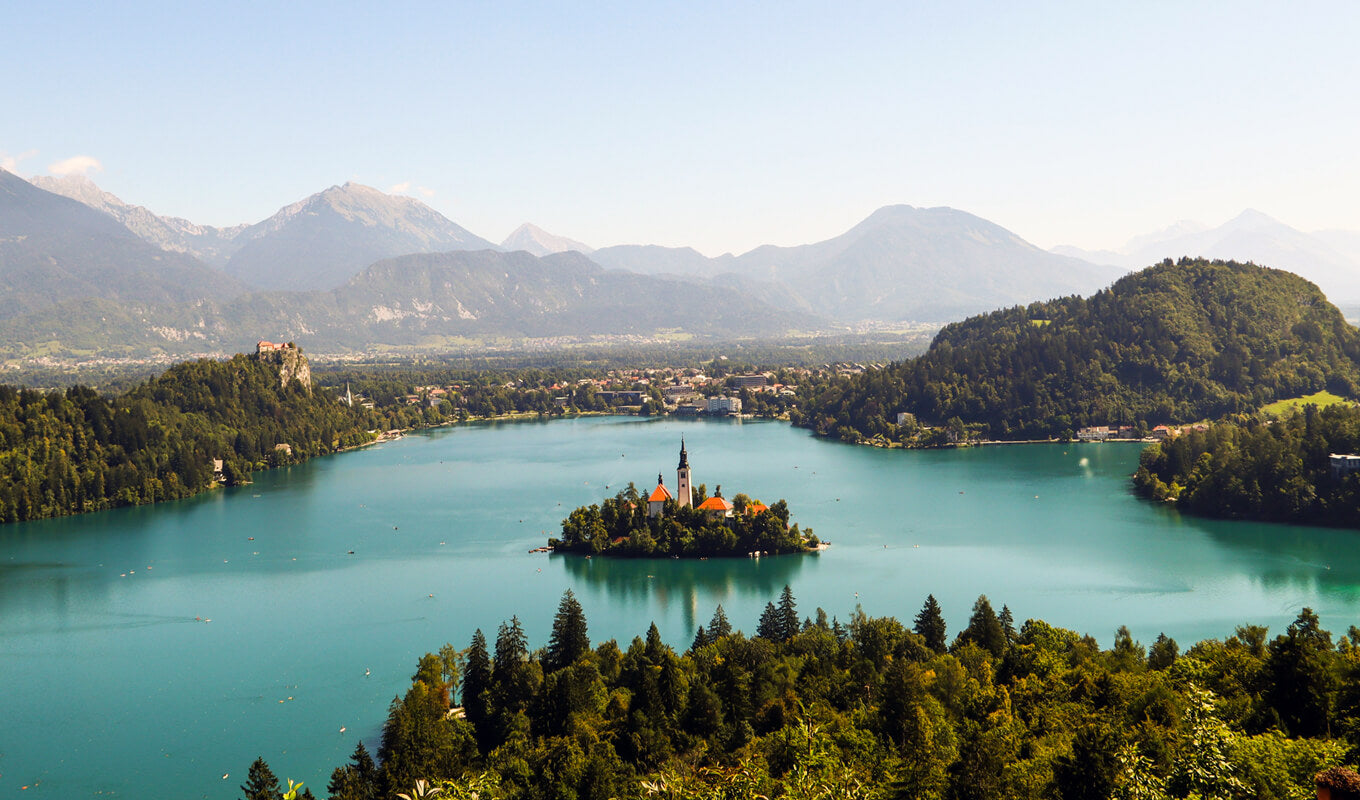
x,y
684,490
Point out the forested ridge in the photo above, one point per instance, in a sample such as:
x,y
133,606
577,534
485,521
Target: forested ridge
x,y
72,451
872,708
1174,343
1259,468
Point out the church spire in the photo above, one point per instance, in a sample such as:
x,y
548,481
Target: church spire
x,y
684,457
684,491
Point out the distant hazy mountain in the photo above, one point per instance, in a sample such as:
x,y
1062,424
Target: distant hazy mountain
x,y
902,263
927,264
1331,259
324,240
55,250
213,245
533,239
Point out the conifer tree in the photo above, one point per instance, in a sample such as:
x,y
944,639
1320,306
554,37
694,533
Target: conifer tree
x,y
700,639
512,648
984,628
930,625
1163,652
260,783
768,627
357,780
718,627
477,687
788,625
1007,624
569,640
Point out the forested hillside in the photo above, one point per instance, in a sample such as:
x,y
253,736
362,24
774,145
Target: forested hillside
x,y
1260,469
67,452
1173,343
813,708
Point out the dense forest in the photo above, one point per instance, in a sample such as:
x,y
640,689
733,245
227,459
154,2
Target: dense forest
x,y
870,708
1259,468
72,451
1176,342
620,526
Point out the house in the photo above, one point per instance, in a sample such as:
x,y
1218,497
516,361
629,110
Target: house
x,y
271,347
1162,433
748,381
1095,433
1343,465
717,507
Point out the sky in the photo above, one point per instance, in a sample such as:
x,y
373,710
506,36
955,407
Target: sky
x,y
720,126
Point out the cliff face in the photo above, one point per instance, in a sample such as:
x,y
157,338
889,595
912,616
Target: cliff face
x,y
289,359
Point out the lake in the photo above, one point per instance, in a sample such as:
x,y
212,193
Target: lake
x,y
116,682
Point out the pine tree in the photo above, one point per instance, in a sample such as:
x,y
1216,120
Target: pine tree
x,y
1007,624
930,625
768,627
788,624
512,648
718,627
1163,652
984,629
260,783
477,687
569,640
700,639
357,780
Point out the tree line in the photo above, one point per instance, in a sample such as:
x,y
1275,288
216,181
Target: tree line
x,y
1255,467
75,450
869,708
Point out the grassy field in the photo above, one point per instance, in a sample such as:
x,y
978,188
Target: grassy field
x,y
1321,400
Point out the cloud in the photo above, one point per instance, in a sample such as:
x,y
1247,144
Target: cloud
x,y
10,163
406,187
76,165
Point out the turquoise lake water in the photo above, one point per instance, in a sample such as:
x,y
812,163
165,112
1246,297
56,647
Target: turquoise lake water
x,y
115,684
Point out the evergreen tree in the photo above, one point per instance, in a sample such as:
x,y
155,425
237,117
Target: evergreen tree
x,y
700,639
1301,677
357,780
788,625
1007,624
512,648
718,627
260,783
477,687
984,629
569,640
1163,653
930,625
768,627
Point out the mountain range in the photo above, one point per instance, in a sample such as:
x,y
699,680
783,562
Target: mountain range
x,y
1331,259
352,267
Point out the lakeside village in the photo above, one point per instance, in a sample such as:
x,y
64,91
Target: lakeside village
x,y
686,523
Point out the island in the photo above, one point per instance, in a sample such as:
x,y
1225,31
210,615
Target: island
x,y
683,524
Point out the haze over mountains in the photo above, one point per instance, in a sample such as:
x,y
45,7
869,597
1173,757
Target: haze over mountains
x,y
1331,259
352,268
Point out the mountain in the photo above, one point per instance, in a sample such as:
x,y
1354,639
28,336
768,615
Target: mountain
x,y
533,239
1174,343
901,263
55,250
1329,258
324,240
213,245
424,300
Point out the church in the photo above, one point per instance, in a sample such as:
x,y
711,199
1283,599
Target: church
x,y
716,506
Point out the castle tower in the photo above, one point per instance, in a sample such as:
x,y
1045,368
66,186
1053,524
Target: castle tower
x,y
684,490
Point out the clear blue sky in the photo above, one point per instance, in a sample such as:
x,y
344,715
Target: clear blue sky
x,y
721,126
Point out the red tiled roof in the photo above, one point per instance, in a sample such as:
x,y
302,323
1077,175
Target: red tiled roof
x,y
715,504
660,494
756,508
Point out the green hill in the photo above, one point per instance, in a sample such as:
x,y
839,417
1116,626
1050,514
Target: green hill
x,y
1176,342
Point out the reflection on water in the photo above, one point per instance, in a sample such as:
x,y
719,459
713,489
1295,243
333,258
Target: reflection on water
x,y
678,584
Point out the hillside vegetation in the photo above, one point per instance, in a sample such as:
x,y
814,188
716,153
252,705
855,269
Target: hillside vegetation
x,y
1176,342
67,452
1259,469
811,708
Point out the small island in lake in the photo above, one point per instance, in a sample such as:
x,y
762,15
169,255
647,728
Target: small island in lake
x,y
686,524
